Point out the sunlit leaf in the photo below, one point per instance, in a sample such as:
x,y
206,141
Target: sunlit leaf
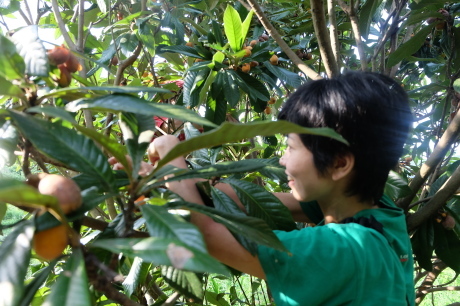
x,y
187,283
31,48
14,261
11,63
233,28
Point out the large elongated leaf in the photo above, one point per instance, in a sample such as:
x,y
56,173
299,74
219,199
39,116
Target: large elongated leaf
x,y
246,24
423,244
110,145
447,246
131,281
231,132
241,166
8,88
285,75
73,93
14,260
189,51
138,131
67,146
13,66
164,251
262,204
252,228
162,224
366,14
230,87
187,283
36,283
233,28
410,47
31,48
8,142
130,104
71,286
396,187
250,85
224,203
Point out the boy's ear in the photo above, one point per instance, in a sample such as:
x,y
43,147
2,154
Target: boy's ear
x,y
343,165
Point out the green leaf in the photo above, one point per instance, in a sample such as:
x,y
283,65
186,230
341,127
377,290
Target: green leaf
x,y
163,251
8,143
233,28
67,146
14,261
73,93
217,31
396,186
130,104
274,170
138,131
185,50
457,85
218,169
447,246
246,24
291,78
187,283
254,229
410,47
262,204
204,92
230,132
71,286
11,63
19,193
422,244
31,49
224,203
216,298
102,4
36,283
131,281
8,88
366,15
255,88
163,224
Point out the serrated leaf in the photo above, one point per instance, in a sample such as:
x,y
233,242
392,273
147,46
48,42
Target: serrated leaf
x,y
396,187
14,261
262,204
274,170
231,90
233,28
285,75
254,229
230,132
13,66
138,131
365,16
31,49
186,50
130,104
71,286
447,247
422,244
253,87
224,203
162,224
164,251
410,47
67,146
187,283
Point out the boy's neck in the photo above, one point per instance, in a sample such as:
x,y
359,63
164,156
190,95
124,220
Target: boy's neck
x,y
341,208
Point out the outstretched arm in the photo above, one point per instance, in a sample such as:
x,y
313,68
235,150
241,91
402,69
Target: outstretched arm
x,y
220,242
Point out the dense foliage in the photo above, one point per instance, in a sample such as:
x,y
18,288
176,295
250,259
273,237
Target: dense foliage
x,y
215,74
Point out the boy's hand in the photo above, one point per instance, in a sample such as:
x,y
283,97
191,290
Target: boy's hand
x,y
161,146
144,170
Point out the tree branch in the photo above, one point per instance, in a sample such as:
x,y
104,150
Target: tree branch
x,y
281,43
439,199
428,282
333,33
445,143
324,43
61,24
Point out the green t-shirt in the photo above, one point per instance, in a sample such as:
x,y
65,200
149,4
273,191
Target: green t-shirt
x,y
343,264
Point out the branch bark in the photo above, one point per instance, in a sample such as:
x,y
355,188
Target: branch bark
x,y
333,33
445,143
324,43
281,43
61,24
439,199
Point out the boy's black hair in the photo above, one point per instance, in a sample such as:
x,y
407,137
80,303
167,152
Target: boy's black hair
x,y
371,111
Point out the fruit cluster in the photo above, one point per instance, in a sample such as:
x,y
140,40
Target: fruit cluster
x,y
50,243
67,63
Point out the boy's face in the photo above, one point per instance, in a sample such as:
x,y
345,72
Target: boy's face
x,y
304,180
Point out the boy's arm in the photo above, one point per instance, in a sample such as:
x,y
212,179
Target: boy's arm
x,y
220,242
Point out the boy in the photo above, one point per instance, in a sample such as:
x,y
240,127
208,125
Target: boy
x,y
360,254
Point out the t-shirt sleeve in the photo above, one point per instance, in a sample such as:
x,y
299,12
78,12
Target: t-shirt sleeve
x,y
304,274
